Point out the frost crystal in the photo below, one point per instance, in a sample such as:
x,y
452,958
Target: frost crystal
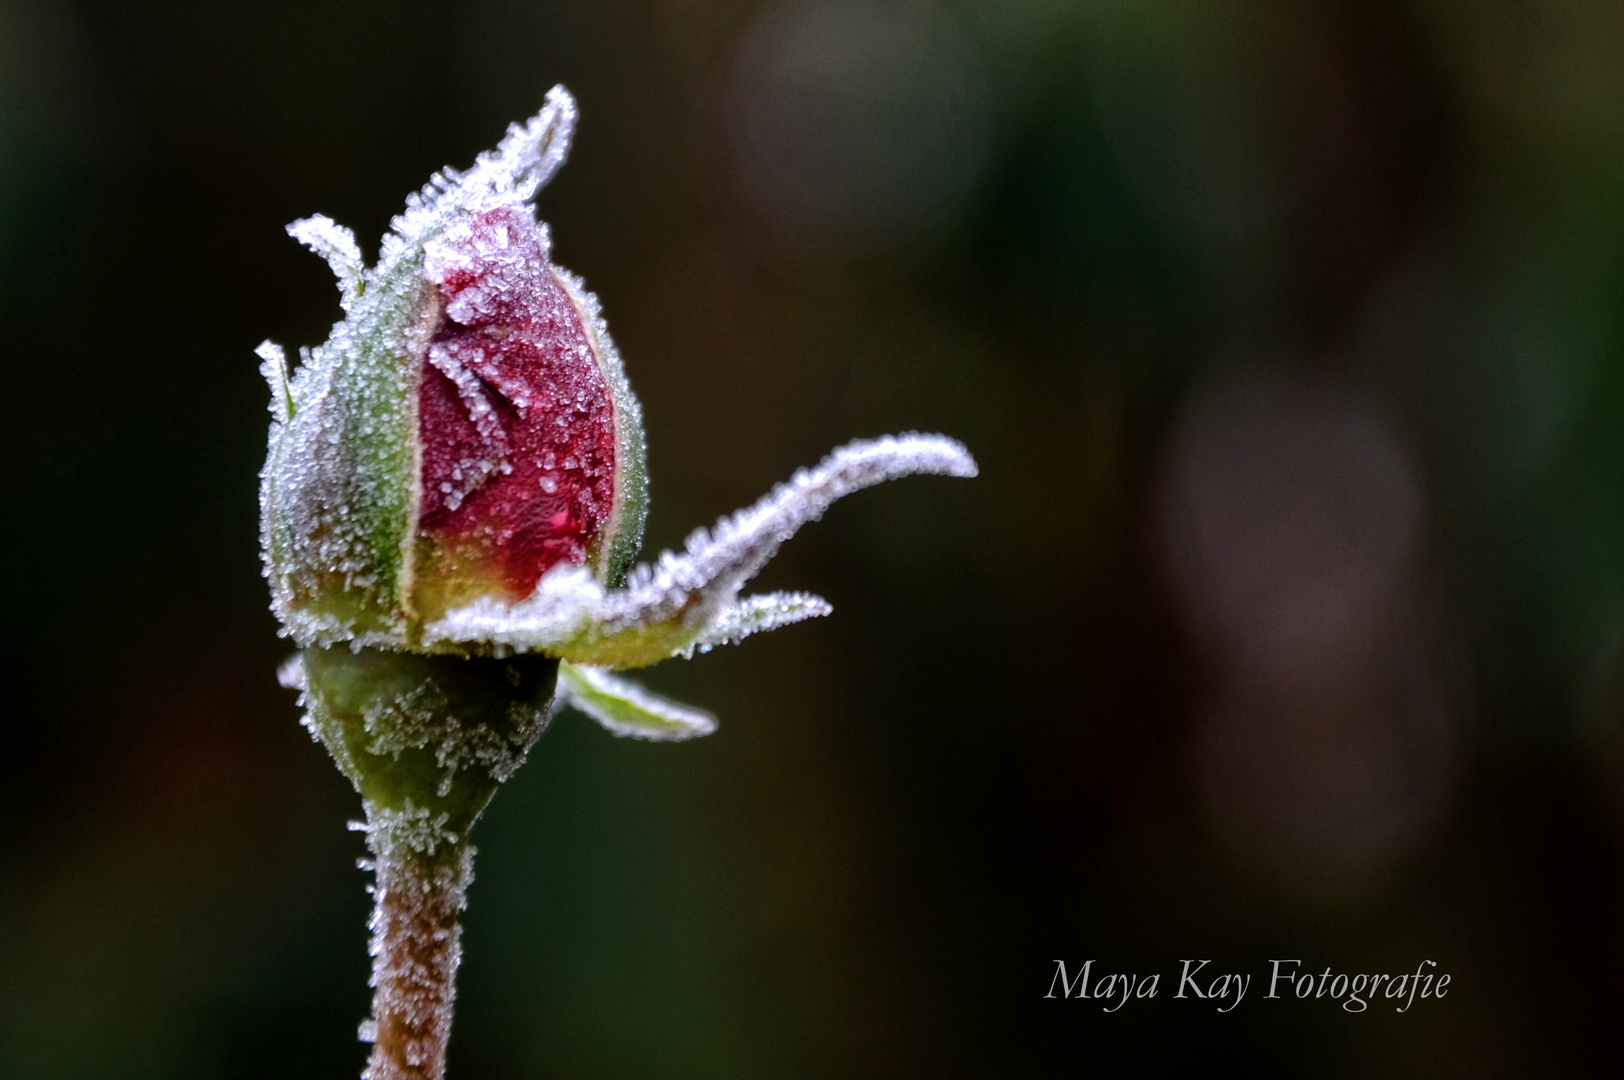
x,y
424,719
290,673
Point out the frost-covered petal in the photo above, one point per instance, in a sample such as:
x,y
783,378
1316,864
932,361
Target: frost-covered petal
x,y
627,709
517,417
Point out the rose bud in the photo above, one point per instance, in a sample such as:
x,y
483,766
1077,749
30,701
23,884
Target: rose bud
x,y
466,427
453,496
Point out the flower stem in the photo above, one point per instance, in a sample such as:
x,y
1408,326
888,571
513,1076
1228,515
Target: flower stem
x,y
416,947
426,740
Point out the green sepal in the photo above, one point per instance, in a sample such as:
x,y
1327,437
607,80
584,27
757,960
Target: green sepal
x,y
627,709
617,549
432,736
339,486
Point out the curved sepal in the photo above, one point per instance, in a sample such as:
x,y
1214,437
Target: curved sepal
x,y
688,601
758,614
627,709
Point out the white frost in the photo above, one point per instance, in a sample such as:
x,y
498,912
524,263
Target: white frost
x,y
290,673
521,165
274,366
758,614
416,942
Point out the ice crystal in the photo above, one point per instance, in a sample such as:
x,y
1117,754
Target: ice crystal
x,y
290,673
424,719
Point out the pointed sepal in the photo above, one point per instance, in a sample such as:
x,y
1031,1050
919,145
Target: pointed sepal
x,y
758,614
688,601
335,243
627,709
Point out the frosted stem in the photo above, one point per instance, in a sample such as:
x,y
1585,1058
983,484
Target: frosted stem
x,y
426,740
416,947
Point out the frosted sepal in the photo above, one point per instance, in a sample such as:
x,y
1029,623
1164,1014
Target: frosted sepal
x,y
273,364
758,614
430,737
627,709
337,245
524,161
687,601
624,534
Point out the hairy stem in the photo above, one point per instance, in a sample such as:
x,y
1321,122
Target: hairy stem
x,y
416,947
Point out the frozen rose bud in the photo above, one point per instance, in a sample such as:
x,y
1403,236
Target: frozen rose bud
x,y
452,500
459,468
467,426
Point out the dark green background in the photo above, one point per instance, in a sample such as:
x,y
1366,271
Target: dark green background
x,y
990,756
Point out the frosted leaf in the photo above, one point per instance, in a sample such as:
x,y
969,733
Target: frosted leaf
x,y
684,601
758,614
337,245
627,709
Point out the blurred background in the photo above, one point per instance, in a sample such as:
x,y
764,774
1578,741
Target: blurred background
x,y
1286,619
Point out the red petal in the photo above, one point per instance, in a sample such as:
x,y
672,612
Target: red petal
x,y
519,447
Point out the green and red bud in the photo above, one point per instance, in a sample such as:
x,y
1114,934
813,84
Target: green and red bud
x,y
467,426
459,468
451,504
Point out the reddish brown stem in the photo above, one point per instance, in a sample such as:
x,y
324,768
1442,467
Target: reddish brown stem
x,y
416,947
